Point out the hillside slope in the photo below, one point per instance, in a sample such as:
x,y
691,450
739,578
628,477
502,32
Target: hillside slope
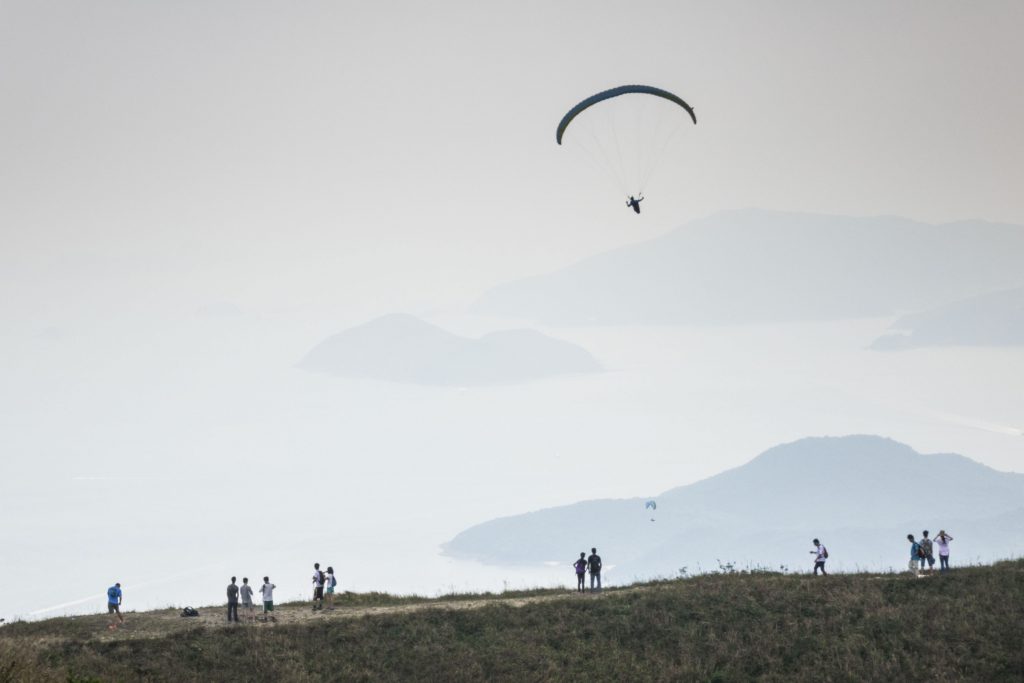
x,y
965,625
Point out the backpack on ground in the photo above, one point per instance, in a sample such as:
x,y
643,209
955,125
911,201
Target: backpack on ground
x,y
190,612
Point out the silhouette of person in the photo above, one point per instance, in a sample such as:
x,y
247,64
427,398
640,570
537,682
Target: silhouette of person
x,y
635,202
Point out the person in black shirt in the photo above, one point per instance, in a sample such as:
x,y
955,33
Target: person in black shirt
x,y
594,563
232,601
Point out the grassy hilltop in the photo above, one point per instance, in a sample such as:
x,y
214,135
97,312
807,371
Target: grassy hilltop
x,y
967,625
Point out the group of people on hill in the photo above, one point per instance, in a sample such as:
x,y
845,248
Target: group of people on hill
x,y
922,558
324,583
591,564
921,552
245,593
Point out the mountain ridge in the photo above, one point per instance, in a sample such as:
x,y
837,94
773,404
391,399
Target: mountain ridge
x,y
795,490
757,266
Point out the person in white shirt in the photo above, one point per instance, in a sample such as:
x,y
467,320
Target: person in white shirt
x,y
820,555
318,587
942,540
245,592
267,591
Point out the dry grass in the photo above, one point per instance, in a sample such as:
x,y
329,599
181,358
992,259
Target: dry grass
x,y
967,625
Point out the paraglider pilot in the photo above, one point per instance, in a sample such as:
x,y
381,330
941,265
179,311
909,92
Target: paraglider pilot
x,y
635,203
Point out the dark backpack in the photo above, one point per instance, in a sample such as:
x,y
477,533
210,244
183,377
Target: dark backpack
x,y
824,552
319,577
190,612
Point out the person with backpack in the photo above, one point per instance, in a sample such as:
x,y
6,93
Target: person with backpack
x,y
114,606
820,553
581,571
915,556
318,587
926,551
267,593
942,540
233,601
594,564
246,592
331,582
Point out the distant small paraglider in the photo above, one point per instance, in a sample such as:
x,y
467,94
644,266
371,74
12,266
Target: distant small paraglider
x,y
651,505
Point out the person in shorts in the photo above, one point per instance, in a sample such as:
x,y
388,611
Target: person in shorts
x,y
114,606
329,585
581,572
318,587
267,593
245,592
915,556
927,550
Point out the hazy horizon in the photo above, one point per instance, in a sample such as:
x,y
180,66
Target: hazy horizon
x,y
193,196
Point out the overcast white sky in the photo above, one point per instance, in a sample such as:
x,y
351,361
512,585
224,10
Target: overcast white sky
x,y
315,164
360,157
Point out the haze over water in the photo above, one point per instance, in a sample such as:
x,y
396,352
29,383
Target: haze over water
x,y
192,197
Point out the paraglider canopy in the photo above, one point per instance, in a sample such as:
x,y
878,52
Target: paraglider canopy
x,y
616,92
626,133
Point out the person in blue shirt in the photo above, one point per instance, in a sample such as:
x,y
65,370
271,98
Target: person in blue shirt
x,y
114,606
915,556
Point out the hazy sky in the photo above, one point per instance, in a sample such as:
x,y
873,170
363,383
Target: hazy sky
x,y
194,193
362,157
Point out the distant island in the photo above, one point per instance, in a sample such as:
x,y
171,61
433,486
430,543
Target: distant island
x,y
754,266
403,348
860,494
991,319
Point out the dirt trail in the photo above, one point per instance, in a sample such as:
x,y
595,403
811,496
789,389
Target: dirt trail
x,y
166,622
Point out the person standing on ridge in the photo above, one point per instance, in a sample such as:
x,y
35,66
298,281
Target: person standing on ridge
x,y
926,551
114,606
634,203
318,587
915,556
581,571
246,592
942,540
331,583
267,592
594,563
232,601
820,553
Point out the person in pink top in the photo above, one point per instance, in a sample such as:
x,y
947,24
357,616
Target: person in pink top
x,y
942,540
